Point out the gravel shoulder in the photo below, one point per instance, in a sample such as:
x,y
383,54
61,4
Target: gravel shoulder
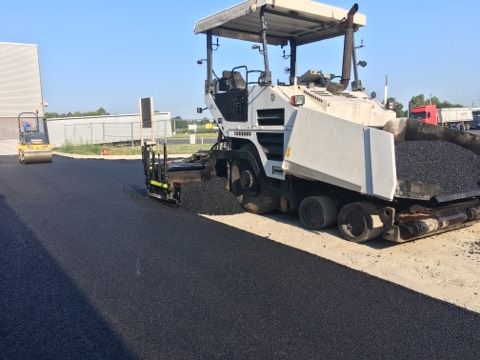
x,y
445,266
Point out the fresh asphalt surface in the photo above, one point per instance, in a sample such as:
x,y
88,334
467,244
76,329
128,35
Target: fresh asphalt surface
x,y
92,269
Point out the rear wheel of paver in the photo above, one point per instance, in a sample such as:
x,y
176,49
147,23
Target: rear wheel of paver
x,y
247,187
317,212
359,222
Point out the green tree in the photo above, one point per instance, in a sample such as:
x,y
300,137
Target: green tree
x,y
99,112
446,104
102,111
398,107
420,100
49,115
417,100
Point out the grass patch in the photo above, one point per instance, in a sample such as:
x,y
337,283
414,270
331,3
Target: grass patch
x,y
206,135
81,149
88,149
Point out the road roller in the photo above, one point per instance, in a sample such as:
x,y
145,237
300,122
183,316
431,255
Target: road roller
x,y
33,146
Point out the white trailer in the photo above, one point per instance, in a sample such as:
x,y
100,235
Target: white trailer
x,y
455,116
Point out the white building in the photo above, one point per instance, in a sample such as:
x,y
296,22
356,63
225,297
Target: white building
x,y
20,85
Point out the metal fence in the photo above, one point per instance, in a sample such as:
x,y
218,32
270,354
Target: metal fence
x,y
104,133
112,133
108,129
193,132
174,132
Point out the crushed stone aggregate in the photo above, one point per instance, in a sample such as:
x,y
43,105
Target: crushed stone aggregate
x,y
454,168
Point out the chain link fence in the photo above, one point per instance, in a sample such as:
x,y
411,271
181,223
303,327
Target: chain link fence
x,y
187,134
194,132
111,133
108,129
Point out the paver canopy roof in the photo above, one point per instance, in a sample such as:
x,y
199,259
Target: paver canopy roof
x,y
304,21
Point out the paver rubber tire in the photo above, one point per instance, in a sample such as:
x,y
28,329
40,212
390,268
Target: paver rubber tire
x,y
359,222
317,212
250,194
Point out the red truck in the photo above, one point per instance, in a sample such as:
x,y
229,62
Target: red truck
x,y
459,118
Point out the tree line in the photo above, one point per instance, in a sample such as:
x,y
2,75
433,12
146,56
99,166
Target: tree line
x,y
99,112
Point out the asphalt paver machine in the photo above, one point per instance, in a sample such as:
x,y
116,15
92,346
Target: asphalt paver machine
x,y
34,146
317,144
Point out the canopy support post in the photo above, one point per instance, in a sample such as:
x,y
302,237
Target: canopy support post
x,y
293,60
267,76
209,85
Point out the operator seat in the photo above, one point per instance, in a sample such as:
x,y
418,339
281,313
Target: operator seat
x,y
314,77
232,97
232,80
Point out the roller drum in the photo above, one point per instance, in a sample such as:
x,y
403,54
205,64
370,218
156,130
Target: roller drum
x,y
37,157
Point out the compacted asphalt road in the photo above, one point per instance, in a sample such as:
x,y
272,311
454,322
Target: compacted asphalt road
x,y
90,268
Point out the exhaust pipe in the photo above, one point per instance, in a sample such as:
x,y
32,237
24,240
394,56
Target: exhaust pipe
x,y
348,48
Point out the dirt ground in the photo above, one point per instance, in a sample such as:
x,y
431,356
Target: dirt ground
x,y
446,266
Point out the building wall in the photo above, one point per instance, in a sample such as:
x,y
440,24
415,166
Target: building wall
x,y
105,129
20,85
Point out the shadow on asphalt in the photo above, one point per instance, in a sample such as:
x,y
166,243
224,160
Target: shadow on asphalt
x,y
43,315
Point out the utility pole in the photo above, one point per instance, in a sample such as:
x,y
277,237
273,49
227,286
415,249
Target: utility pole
x,y
386,90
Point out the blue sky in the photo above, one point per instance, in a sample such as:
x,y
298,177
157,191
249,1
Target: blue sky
x,y
111,53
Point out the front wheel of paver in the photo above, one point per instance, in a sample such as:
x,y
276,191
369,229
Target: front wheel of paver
x,y
248,188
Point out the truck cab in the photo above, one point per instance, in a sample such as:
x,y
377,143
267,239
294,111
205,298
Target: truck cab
x,y
427,114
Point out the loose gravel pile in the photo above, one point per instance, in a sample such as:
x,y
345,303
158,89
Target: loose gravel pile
x,y
209,198
452,167
474,248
